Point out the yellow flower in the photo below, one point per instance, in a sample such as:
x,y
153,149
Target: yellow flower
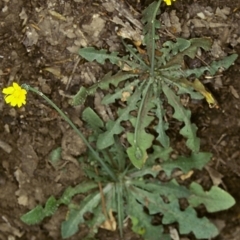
x,y
15,95
169,2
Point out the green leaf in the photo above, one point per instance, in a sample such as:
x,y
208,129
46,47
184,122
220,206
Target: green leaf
x,y
159,153
153,171
76,215
171,190
34,216
214,200
195,161
184,115
72,191
91,54
37,214
150,24
141,222
171,48
137,58
186,89
188,221
105,82
118,92
225,63
92,119
55,156
162,126
80,97
191,51
106,139
140,140
98,217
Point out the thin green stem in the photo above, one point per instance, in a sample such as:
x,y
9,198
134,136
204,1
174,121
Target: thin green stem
x,y
66,118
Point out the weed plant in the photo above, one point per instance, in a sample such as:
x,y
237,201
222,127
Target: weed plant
x,y
131,150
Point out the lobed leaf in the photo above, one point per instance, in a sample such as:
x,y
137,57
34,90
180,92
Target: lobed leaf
x,y
140,140
189,130
225,63
113,127
161,126
91,54
160,154
195,161
191,51
172,190
37,214
138,62
141,222
119,92
98,217
92,119
187,219
185,87
214,200
171,48
149,26
76,215
72,191
108,79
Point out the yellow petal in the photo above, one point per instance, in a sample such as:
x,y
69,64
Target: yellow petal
x,y
16,86
8,90
8,99
19,104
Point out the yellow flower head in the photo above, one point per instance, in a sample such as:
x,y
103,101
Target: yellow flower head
x,y
169,2
15,95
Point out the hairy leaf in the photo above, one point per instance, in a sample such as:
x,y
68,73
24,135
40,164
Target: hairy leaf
x,y
189,130
214,200
119,93
171,190
187,219
150,24
91,54
55,156
195,161
185,87
76,215
137,58
162,126
153,171
105,82
141,222
72,191
225,63
171,49
114,127
98,217
190,51
92,119
140,140
160,154
37,214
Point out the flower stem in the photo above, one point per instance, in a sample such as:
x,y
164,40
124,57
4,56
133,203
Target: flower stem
x,y
66,118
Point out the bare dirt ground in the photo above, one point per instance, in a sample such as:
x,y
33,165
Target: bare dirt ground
x,y
39,41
